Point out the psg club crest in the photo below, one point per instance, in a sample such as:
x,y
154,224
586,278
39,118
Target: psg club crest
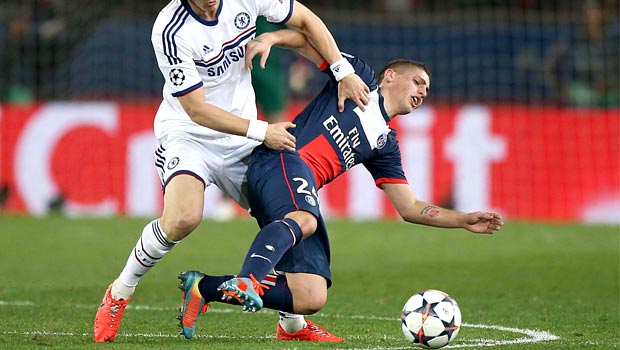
x,y
177,77
310,200
242,20
381,141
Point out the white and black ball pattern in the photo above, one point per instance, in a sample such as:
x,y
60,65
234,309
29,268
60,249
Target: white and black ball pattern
x,y
177,77
431,319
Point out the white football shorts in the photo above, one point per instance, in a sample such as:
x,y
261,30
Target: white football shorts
x,y
221,160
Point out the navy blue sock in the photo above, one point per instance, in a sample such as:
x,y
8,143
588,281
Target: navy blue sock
x,y
208,288
278,296
269,246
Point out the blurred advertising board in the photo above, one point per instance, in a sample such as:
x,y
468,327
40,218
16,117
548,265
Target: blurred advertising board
x,y
543,163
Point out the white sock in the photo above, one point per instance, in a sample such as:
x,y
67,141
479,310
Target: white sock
x,y
292,323
120,291
150,248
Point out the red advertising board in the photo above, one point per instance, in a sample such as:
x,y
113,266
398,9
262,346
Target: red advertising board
x,y
527,163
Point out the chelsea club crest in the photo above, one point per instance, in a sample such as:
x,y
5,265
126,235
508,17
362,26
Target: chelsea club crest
x,y
242,20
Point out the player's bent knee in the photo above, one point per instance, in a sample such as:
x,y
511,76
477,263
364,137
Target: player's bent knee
x,y
306,221
183,206
311,304
309,292
180,226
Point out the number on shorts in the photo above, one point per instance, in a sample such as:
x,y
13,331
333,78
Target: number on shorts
x,y
302,187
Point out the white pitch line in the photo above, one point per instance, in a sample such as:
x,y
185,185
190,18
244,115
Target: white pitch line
x,y
16,303
531,336
132,335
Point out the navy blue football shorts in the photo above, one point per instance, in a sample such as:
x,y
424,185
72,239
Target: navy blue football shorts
x,y
279,182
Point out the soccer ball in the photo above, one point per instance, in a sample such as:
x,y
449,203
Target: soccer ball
x,y
431,319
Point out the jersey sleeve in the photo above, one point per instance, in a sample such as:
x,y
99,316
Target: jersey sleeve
x,y
386,166
176,63
363,70
275,11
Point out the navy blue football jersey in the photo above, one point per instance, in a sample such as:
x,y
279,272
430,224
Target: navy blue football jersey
x,y
331,142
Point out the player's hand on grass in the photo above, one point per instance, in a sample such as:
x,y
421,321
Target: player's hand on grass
x,y
278,137
352,87
484,222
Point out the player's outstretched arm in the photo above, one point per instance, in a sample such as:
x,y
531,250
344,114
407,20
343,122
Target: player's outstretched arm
x,y
419,212
350,86
284,38
274,136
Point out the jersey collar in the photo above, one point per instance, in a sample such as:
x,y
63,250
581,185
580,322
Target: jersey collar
x,y
386,117
187,7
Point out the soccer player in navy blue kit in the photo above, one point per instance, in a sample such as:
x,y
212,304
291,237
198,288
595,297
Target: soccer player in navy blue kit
x,y
283,185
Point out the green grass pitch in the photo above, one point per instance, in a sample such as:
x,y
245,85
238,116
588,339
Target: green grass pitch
x,y
531,286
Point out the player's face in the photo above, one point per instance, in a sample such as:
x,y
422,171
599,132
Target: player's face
x,y
411,87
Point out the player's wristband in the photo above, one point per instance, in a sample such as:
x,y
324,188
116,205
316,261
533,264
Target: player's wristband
x,y
341,69
257,130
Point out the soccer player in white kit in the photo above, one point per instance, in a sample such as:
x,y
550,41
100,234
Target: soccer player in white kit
x,y
206,125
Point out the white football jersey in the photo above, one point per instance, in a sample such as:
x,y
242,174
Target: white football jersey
x,y
193,52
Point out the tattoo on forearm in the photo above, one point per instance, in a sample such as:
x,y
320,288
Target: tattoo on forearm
x,y
430,210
